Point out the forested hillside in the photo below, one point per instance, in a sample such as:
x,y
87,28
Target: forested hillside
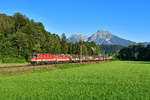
x,y
20,37
110,49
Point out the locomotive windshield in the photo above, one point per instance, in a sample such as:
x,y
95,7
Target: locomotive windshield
x,y
34,55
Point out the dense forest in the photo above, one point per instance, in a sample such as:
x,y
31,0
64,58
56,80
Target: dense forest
x,y
110,49
20,37
135,52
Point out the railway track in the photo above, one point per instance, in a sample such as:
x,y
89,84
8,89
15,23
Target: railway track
x,y
26,67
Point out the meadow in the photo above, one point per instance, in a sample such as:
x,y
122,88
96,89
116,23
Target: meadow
x,y
118,80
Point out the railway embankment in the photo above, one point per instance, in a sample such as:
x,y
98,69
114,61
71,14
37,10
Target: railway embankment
x,y
30,68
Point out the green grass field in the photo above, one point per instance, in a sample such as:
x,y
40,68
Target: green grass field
x,y
108,81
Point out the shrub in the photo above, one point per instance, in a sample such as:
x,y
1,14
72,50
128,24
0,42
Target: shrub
x,y
115,57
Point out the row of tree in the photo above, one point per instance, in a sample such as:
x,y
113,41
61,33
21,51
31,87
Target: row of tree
x,y
20,37
135,52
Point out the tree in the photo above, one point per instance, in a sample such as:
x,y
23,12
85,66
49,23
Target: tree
x,y
64,47
21,42
20,21
147,53
7,50
70,48
6,25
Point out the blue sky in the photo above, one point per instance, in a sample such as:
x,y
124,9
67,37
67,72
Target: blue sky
x,y
129,19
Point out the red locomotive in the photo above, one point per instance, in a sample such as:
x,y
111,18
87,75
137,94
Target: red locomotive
x,y
48,58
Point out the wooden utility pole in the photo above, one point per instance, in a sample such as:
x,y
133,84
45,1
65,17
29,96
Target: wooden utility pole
x,y
81,52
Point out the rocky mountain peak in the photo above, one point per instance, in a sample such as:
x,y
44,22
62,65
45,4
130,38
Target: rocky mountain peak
x,y
77,37
101,34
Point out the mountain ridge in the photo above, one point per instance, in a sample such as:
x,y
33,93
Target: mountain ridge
x,y
101,37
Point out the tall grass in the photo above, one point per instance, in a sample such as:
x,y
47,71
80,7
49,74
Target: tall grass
x,y
13,64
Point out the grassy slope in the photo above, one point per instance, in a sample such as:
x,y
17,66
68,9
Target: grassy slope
x,y
113,80
12,64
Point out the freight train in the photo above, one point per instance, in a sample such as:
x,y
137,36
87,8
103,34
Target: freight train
x,y
40,59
